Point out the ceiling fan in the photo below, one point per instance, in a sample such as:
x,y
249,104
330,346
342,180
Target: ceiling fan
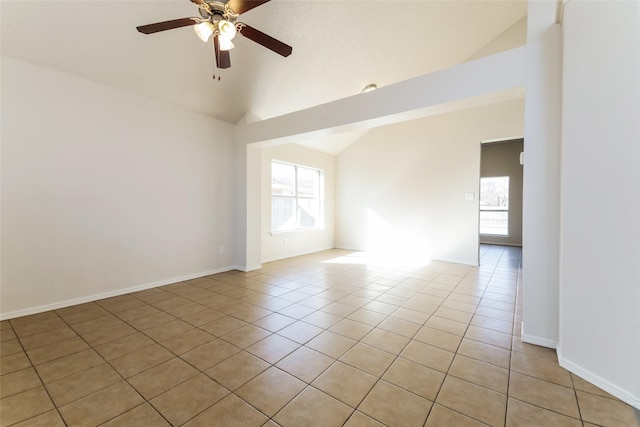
x,y
218,18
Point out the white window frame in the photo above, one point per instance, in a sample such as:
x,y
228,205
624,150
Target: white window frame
x,y
296,197
506,235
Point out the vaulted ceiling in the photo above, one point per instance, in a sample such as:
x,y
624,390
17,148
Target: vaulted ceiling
x,y
339,47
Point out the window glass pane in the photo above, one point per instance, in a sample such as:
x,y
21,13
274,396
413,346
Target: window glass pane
x,y
308,182
496,223
283,213
494,193
309,213
283,179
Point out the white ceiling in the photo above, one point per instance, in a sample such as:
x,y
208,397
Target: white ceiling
x,y
339,47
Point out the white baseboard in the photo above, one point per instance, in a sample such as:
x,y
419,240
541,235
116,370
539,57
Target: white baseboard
x,y
247,269
103,295
535,340
297,253
599,382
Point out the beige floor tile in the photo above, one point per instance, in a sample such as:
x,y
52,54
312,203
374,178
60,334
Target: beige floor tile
x,y
331,344
141,360
351,329
187,309
96,324
493,324
544,394
416,378
297,311
607,412
162,377
540,368
137,313
10,347
30,325
438,338
345,383
480,373
322,319
394,406
443,417
91,409
358,419
229,412
237,370
488,336
151,321
410,316
14,362
305,364
106,335
188,399
18,381
203,317
582,385
223,326
122,346
25,405
47,419
527,415
245,336
447,325
300,332
428,355
273,348
473,401
56,350
310,406
451,314
399,326
168,330
210,354
485,352
368,359
49,337
68,365
494,313
141,416
74,387
387,341
534,350
85,315
271,390
274,322
368,317
186,341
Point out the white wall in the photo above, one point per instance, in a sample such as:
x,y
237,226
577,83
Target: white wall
x,y
286,244
600,276
541,181
103,191
403,186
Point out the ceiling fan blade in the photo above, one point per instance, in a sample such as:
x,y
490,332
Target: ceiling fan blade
x,y
167,25
265,40
223,60
198,1
242,6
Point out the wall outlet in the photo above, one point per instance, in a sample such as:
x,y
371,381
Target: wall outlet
x,y
469,196
221,250
284,241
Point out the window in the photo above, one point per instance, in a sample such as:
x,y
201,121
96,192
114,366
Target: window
x,y
494,206
296,197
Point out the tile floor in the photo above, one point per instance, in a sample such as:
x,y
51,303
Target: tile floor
x,y
329,339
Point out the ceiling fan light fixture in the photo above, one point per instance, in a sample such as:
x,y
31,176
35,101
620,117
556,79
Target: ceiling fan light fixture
x,y
204,30
227,30
225,44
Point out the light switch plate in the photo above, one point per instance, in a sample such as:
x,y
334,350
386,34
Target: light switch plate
x,y
469,196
